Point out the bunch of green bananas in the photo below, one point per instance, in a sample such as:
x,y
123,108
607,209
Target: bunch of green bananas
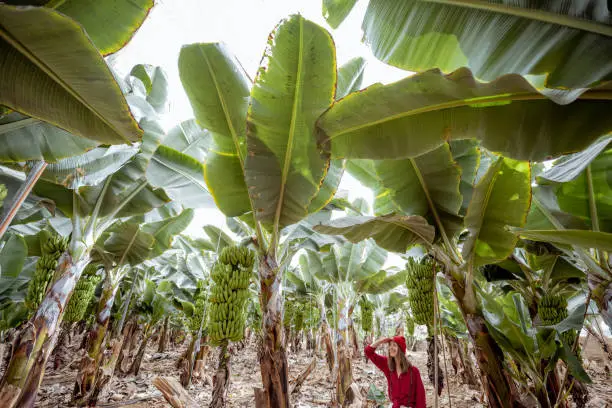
x,y
52,247
409,325
196,314
552,309
288,313
231,278
236,256
82,295
298,319
3,193
367,314
420,283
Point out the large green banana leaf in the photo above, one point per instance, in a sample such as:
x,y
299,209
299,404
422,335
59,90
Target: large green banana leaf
x,y
12,256
109,23
427,185
335,11
466,154
381,282
392,232
127,181
188,138
350,76
218,238
562,45
218,89
501,199
126,243
90,168
165,230
417,114
156,85
51,71
574,194
181,176
566,238
295,84
545,213
23,138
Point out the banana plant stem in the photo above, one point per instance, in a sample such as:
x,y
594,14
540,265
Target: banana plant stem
x,y
22,194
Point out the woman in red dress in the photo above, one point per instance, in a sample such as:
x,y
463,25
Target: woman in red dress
x,y
404,383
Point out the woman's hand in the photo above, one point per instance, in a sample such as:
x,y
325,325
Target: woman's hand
x,y
380,341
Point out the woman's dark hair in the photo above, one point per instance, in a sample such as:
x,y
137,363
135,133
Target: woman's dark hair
x,y
403,362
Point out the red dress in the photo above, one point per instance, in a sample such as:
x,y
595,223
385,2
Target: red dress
x,y
404,390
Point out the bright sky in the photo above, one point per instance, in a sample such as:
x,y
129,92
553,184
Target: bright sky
x,y
244,26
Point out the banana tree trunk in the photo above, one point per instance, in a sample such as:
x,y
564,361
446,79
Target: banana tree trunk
x,y
353,333
433,361
91,361
343,353
272,356
137,362
107,368
23,192
163,338
601,292
200,361
329,350
37,339
128,331
221,379
186,362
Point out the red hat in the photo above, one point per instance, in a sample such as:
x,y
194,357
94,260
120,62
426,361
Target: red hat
x,y
401,342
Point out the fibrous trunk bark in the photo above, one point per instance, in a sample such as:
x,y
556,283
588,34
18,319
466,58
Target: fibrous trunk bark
x,y
174,393
137,362
37,338
498,385
344,377
272,358
221,379
86,377
128,331
327,343
187,363
163,338
106,369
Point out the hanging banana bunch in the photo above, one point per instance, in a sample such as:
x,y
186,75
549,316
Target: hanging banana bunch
x,y
409,325
229,293
82,295
52,247
195,316
298,319
420,283
367,314
552,309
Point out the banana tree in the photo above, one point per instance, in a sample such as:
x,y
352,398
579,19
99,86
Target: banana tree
x,y
430,187
154,305
555,41
124,245
93,207
49,74
265,160
572,212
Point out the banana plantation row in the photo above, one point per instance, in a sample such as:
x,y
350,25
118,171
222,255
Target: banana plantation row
x,y
509,251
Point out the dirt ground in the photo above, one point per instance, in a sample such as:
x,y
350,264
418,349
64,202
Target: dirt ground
x,y
138,392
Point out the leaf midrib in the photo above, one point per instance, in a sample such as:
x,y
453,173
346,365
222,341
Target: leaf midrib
x,y
485,203
531,14
523,96
180,172
291,136
230,124
47,70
